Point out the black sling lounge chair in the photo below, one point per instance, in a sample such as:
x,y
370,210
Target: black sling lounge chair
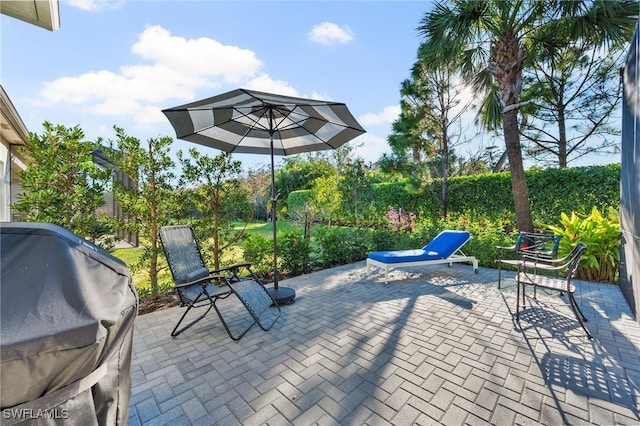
x,y
197,286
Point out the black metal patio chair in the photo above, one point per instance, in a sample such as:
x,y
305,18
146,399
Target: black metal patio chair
x,y
197,286
544,273
542,245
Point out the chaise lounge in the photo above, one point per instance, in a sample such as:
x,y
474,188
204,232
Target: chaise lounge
x,y
442,249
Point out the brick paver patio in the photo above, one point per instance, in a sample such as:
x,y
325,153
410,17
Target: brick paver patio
x,y
437,345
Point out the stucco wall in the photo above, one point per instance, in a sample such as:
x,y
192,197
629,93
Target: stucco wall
x,y
630,179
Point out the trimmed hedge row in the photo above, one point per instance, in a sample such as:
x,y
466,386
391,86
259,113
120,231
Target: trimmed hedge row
x,y
551,192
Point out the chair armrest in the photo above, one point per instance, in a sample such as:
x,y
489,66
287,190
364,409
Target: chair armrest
x,y
546,258
542,266
236,266
233,268
203,280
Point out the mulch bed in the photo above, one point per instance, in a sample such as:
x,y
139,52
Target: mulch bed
x,y
163,301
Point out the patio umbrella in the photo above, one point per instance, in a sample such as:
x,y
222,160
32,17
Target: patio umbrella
x,y
246,121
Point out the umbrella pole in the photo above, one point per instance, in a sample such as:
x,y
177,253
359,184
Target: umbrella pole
x,y
282,295
274,219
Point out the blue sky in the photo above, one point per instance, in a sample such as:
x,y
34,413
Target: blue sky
x,y
122,62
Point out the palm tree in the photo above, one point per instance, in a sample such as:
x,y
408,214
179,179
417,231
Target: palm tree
x,y
496,39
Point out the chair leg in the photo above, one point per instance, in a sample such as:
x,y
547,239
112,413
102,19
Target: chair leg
x,y
499,275
575,303
581,318
518,301
174,333
226,327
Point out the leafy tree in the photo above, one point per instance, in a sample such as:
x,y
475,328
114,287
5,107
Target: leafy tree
x,y
356,189
62,184
408,140
299,172
429,127
146,195
258,184
575,92
326,196
440,112
217,194
496,40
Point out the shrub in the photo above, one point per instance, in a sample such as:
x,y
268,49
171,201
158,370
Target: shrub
x,y
339,245
163,288
602,237
294,251
259,250
383,239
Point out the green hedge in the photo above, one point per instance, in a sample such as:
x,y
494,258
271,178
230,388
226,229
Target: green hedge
x,y
551,192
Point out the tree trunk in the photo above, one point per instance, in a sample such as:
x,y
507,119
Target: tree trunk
x,y
498,166
524,222
153,267
562,139
445,171
216,230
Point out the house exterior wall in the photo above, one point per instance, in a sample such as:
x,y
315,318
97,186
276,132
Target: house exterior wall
x,y
630,179
5,183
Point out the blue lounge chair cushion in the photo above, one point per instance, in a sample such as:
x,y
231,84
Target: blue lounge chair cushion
x,y
442,246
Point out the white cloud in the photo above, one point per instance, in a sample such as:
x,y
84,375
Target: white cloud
x,y
386,117
330,33
370,147
95,5
176,68
202,57
264,83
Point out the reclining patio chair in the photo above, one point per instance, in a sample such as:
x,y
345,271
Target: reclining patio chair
x,y
197,286
544,274
542,245
442,249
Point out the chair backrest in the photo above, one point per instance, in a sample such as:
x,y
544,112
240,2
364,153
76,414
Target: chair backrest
x,y
447,243
538,243
182,253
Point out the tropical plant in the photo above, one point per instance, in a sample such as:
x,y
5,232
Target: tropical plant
x,y
601,234
496,40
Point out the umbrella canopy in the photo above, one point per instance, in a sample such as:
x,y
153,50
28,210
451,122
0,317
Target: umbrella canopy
x,y
246,121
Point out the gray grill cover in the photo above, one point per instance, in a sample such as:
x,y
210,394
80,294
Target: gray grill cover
x,y
67,310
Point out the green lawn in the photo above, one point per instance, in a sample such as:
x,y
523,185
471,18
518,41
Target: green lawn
x,y
266,228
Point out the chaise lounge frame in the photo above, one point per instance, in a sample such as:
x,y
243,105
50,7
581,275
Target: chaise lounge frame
x,y
456,257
